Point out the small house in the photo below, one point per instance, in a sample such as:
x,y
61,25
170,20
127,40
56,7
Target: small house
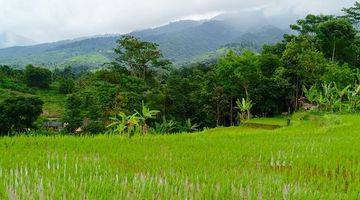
x,y
53,126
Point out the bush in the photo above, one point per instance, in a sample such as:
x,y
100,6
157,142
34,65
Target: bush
x,y
66,85
17,114
95,127
37,77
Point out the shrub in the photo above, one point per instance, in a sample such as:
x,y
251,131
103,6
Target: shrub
x,y
95,127
66,85
37,77
17,114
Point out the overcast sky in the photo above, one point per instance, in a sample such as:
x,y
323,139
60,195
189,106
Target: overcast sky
x,y
50,20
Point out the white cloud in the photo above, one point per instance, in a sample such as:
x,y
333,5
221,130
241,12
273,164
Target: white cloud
x,y
49,20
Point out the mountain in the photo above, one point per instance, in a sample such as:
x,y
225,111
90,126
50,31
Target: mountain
x,y
191,42
248,20
180,41
9,39
252,41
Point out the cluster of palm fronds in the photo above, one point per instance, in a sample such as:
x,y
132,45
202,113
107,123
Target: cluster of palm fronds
x,y
137,123
133,124
244,106
331,97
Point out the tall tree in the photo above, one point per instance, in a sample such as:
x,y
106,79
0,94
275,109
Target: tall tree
x,y
248,70
353,13
335,36
309,25
139,57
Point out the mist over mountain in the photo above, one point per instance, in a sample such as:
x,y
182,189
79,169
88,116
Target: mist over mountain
x,y
9,39
180,41
248,20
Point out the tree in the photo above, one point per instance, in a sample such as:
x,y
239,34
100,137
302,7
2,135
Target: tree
x,y
139,57
74,114
335,36
342,75
225,71
17,114
303,65
353,13
37,77
66,85
248,70
309,25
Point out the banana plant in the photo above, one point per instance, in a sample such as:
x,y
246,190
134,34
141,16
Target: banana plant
x,y
341,94
119,123
122,123
165,126
146,114
190,127
354,99
311,94
244,106
133,124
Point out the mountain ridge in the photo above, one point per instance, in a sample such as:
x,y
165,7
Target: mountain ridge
x,y
180,42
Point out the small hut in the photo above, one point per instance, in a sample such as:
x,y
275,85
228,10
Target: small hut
x,y
53,126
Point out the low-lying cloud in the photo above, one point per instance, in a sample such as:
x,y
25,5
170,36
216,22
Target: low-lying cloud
x,y
49,20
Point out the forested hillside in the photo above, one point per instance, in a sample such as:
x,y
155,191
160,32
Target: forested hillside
x,y
180,42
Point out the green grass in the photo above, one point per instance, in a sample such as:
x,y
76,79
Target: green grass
x,y
307,160
280,121
54,102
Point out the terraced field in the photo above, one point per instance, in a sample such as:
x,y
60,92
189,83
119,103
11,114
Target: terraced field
x,y
315,157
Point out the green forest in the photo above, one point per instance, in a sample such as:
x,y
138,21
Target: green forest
x,y
281,122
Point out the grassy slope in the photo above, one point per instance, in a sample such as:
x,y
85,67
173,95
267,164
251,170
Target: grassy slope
x,y
305,160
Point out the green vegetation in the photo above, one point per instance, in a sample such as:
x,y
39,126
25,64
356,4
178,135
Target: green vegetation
x,y
307,160
18,114
309,83
37,77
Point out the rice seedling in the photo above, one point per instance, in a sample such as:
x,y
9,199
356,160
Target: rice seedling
x,y
307,160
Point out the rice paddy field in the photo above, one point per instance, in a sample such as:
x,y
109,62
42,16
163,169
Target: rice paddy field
x,y
313,158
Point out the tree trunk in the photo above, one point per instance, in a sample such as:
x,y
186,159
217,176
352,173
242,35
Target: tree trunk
x,y
333,53
246,92
144,73
296,93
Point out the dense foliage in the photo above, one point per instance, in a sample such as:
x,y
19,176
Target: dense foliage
x,y
17,114
37,77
